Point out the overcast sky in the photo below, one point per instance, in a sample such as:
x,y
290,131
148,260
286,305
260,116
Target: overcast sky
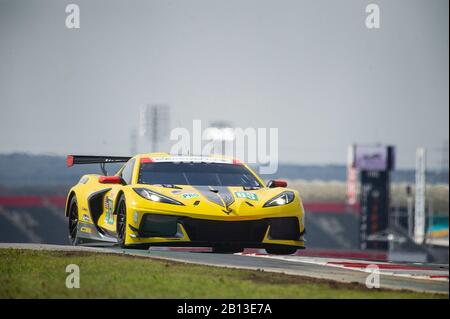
x,y
310,68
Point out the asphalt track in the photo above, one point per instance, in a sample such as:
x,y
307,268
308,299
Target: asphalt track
x,y
399,276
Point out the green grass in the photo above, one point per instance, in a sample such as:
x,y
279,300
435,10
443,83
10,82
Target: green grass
x,y
41,274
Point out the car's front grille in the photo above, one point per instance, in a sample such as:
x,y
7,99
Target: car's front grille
x,y
224,231
157,225
284,228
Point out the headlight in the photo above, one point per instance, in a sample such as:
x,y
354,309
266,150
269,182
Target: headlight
x,y
282,199
156,197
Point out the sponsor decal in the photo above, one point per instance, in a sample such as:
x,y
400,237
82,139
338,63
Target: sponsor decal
x,y
109,218
190,195
247,195
85,230
85,218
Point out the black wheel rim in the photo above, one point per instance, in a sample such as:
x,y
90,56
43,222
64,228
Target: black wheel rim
x,y
73,222
121,222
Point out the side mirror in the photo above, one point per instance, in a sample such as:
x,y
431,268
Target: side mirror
x,y
110,180
276,183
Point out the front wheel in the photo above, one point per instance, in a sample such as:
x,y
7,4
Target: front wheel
x,y
73,221
281,251
122,227
121,222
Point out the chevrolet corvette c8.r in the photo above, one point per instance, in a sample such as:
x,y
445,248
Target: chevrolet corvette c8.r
x,y
162,200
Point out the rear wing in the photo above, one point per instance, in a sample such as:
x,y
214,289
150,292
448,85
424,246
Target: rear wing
x,y
87,159
102,160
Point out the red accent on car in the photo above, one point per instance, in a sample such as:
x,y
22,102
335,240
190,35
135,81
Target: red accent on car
x,y
278,183
146,160
110,180
237,162
69,160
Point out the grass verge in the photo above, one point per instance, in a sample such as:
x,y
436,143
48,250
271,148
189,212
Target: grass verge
x,y
42,274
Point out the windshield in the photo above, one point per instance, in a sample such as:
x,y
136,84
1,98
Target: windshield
x,y
205,174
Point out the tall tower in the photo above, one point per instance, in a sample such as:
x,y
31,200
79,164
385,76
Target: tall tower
x,y
133,142
154,124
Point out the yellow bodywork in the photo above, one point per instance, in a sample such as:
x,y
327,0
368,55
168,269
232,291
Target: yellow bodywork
x,y
136,205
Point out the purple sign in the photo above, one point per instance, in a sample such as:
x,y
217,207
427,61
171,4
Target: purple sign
x,y
371,158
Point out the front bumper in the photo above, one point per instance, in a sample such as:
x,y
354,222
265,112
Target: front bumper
x,y
158,229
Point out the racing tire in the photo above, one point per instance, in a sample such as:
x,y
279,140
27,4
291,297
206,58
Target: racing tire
x,y
281,251
73,221
121,229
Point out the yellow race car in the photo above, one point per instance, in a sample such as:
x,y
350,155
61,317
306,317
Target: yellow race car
x,y
162,200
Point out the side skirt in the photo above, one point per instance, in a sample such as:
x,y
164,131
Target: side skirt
x,y
88,234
